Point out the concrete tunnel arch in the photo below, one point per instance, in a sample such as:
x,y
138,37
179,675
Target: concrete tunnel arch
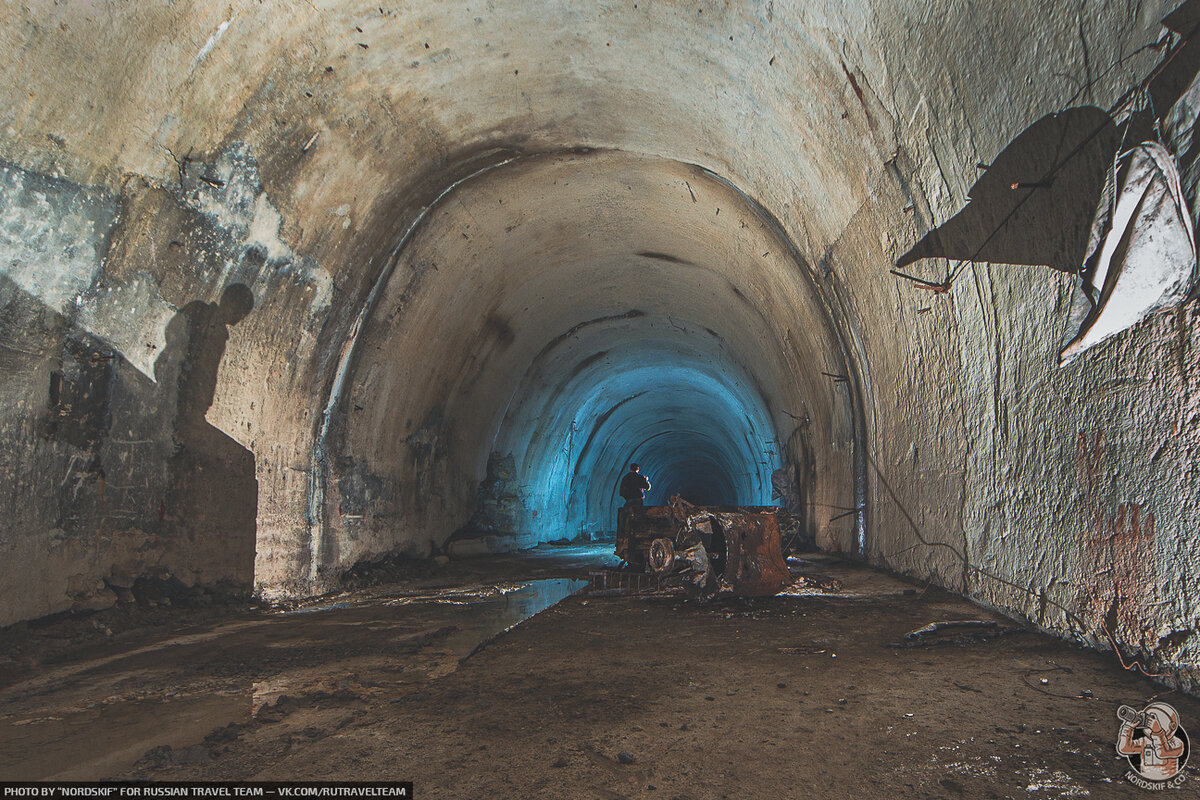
x,y
658,403
586,282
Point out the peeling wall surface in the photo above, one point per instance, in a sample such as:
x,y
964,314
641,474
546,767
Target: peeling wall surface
x,y
285,286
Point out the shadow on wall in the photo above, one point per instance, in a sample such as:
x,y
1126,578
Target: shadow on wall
x,y
1109,196
1034,203
119,487
212,490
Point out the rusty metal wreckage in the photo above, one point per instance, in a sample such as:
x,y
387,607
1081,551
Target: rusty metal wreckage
x,y
703,550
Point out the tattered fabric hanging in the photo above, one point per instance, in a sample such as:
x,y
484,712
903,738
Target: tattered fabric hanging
x,y
1180,136
1142,252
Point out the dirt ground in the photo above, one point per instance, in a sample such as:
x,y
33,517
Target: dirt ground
x,y
595,697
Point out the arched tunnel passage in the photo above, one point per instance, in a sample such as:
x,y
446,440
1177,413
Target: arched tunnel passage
x,y
658,396
556,316
450,305
688,466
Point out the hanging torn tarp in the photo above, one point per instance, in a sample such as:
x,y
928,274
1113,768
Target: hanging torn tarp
x,y
1180,134
1142,252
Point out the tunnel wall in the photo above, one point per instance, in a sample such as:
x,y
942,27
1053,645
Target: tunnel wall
x,y
1065,494
156,157
113,342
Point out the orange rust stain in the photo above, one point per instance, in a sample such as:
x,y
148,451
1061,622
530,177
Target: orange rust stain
x,y
1118,587
1119,560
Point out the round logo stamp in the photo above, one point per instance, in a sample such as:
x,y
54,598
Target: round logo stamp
x,y
1154,744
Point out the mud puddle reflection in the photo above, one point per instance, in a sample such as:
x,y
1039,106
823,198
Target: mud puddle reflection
x,y
87,720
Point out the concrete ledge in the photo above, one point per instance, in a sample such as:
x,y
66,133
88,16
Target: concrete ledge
x,y
488,544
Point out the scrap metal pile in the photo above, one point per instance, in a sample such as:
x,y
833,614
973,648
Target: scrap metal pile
x,y
705,550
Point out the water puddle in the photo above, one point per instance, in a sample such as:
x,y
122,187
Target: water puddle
x,y
96,719
480,619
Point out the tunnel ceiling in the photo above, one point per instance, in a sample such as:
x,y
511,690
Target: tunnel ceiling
x,y
396,95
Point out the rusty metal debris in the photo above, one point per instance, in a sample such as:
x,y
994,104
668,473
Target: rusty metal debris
x,y
802,651
805,585
966,631
706,549
615,582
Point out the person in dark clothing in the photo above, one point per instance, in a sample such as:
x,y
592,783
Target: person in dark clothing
x,y
634,486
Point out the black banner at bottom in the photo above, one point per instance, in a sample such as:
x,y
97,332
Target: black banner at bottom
x,y
195,790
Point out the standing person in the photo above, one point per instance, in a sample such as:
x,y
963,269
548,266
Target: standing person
x,y
633,487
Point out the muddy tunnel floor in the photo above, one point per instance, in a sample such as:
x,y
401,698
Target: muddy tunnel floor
x,y
594,697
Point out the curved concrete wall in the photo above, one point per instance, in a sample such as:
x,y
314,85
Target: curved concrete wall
x,y
456,218
613,308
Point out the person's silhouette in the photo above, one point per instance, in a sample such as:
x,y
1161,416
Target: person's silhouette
x,y
633,487
206,335
212,494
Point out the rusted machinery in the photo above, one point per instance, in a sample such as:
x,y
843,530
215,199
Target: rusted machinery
x,y
707,549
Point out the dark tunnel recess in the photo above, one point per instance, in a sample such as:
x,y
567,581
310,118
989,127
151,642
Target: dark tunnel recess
x,y
557,317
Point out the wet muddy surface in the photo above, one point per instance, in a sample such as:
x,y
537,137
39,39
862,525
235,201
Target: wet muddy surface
x,y
817,692
100,713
